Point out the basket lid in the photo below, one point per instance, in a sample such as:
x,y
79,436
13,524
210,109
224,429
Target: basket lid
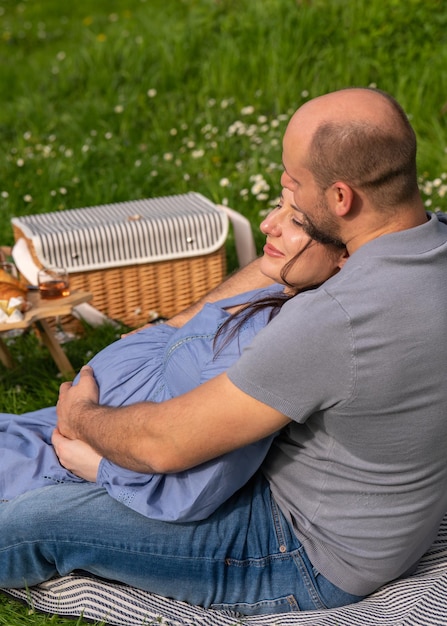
x,y
126,233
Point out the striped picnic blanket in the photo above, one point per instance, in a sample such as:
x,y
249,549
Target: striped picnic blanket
x,y
419,600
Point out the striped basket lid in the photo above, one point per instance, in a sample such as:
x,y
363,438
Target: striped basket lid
x,y
126,233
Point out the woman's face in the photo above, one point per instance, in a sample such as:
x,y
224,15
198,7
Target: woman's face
x,y
285,238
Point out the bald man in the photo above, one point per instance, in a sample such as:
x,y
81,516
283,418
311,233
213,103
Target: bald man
x,y
352,492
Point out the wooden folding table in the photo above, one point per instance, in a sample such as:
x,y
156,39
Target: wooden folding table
x,y
37,315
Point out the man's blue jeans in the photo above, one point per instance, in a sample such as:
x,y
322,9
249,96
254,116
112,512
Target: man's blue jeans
x,y
245,557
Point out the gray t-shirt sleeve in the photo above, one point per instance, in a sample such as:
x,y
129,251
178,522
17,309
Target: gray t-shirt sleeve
x,y
295,364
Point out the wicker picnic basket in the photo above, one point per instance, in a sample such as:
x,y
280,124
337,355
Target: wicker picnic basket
x,y
139,259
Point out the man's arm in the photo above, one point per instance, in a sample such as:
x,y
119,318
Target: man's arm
x,y
170,436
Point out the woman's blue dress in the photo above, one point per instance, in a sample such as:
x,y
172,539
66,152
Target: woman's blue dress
x,y
154,364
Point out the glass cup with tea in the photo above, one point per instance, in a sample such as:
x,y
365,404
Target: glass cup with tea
x,y
53,283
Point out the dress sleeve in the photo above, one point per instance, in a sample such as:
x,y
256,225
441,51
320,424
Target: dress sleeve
x,y
184,496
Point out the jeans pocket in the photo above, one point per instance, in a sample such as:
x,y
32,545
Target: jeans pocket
x,y
286,604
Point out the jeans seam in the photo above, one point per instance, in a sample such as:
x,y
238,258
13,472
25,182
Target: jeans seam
x,y
235,607
279,531
305,577
296,555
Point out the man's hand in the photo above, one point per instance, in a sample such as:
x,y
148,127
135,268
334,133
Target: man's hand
x,y
76,456
73,400
170,436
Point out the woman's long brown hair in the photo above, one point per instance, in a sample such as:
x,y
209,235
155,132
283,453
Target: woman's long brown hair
x,y
231,326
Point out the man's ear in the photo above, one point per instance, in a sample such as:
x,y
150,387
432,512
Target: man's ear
x,y
341,197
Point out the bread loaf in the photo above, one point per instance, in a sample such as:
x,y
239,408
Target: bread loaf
x,y
8,291
10,287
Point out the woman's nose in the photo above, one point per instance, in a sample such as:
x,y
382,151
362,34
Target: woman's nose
x,y
271,224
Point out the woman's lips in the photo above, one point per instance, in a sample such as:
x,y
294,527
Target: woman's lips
x,y
272,251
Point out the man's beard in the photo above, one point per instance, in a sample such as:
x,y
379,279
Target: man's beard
x,y
327,225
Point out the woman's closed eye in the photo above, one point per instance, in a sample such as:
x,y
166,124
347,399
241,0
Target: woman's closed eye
x,y
298,222
295,215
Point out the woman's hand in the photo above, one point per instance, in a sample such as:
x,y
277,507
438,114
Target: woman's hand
x,y
76,456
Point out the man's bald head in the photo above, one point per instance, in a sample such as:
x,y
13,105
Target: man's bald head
x,y
362,137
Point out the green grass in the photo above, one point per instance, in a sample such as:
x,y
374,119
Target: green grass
x,y
110,100
34,381
13,614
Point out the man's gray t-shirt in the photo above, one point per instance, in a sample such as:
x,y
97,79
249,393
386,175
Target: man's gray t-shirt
x,y
360,366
